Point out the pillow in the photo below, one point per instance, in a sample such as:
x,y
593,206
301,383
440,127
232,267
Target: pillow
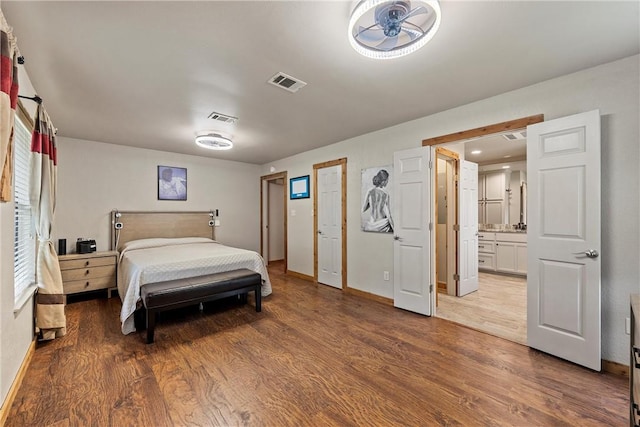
x,y
158,242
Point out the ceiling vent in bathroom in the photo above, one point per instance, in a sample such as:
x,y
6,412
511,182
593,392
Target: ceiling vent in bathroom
x,y
286,82
516,136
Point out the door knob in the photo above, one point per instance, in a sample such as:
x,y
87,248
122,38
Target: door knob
x,y
397,238
319,232
590,253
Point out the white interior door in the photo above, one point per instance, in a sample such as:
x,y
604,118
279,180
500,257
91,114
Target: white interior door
x,y
411,210
330,226
468,234
563,281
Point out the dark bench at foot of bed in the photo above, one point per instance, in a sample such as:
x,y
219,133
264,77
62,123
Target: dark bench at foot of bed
x,y
171,294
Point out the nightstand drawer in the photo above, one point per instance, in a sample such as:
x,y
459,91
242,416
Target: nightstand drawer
x,y
108,271
69,264
93,284
88,272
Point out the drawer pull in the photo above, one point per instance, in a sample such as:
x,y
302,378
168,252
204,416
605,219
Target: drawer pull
x,y
86,264
481,260
86,272
636,354
86,285
481,246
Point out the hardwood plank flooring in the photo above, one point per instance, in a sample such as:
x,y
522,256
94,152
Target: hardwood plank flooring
x,y
498,307
314,356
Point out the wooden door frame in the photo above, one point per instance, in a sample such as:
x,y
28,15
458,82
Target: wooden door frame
x,y
267,178
520,123
343,163
455,158
484,130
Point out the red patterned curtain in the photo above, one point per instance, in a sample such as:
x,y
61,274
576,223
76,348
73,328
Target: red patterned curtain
x,y
8,101
51,321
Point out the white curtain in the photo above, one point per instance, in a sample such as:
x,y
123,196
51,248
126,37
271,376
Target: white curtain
x,y
51,321
8,100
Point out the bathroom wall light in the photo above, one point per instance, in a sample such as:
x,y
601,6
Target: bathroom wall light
x,y
214,141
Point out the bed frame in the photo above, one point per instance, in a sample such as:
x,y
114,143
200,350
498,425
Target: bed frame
x,y
145,224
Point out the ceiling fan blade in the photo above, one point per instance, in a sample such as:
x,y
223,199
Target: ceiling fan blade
x,y
370,35
362,29
388,44
418,10
411,33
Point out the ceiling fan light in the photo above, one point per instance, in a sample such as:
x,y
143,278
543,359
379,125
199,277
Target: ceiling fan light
x,y
214,141
372,18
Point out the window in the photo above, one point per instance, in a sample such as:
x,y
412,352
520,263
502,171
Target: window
x,y
24,240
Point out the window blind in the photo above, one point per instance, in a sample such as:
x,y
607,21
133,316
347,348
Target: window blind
x,y
24,239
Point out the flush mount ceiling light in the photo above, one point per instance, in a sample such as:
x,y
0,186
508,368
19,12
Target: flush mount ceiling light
x,y
384,29
214,141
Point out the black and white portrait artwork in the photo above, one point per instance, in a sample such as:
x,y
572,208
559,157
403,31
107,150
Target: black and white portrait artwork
x,y
172,183
376,200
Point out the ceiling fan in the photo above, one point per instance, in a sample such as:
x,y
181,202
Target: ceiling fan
x,y
385,29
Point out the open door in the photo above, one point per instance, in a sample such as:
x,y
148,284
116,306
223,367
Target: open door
x,y
468,234
563,281
273,219
411,210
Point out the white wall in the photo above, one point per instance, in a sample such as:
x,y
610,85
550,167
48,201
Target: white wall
x,y
613,88
94,178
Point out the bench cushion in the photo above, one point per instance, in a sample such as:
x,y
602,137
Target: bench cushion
x,y
164,294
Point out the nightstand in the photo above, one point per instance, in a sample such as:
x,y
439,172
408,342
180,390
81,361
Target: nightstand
x,y
88,272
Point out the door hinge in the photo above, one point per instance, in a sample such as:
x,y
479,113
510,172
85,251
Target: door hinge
x,y
430,164
430,288
456,277
430,226
456,227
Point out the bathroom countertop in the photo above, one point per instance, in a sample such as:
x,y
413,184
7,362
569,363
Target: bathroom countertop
x,y
497,230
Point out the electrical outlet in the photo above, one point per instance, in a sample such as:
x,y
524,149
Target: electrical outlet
x,y
386,275
627,325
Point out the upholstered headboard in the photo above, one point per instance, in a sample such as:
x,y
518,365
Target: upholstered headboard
x,y
133,225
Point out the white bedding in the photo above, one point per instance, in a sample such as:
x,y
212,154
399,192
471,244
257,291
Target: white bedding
x,y
157,260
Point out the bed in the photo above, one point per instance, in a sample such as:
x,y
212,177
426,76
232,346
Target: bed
x,y
160,246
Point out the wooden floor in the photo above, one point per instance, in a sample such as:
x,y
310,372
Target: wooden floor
x,y
314,356
498,307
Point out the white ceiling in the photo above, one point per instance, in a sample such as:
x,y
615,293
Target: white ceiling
x,y
495,149
148,74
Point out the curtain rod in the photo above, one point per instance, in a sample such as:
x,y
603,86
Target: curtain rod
x,y
35,98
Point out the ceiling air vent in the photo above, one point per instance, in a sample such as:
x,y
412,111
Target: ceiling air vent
x,y
286,82
516,136
219,117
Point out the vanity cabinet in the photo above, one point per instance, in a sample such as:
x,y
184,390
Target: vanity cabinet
x,y
495,184
486,251
502,252
493,197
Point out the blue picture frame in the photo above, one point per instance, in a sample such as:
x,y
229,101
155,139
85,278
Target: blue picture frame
x,y
299,187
